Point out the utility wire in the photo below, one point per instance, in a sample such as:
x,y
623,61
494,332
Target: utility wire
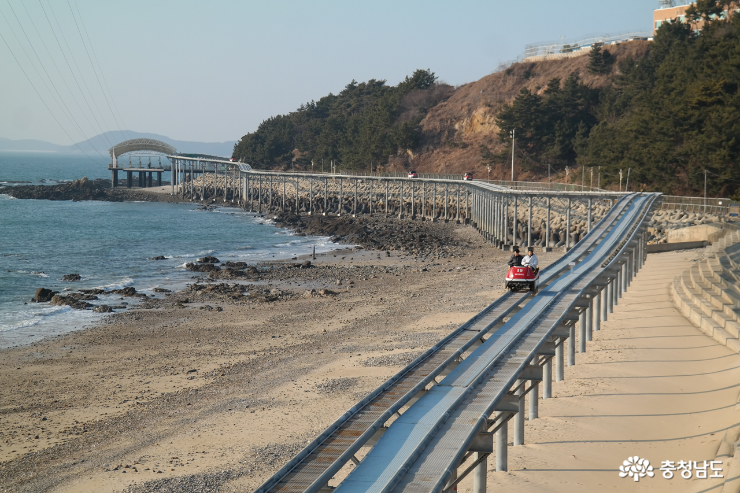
x,y
89,58
61,76
61,104
116,114
42,99
61,31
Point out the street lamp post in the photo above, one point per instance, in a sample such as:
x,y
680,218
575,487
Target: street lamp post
x,y
513,148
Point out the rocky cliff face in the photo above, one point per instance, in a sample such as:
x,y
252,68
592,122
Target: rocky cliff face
x,y
454,130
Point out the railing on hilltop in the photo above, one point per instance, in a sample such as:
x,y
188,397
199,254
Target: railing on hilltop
x,y
555,47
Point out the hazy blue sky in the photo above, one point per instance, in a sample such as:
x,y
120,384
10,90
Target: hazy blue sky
x,y
212,71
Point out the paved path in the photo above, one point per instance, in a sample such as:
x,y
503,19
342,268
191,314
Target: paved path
x,y
651,385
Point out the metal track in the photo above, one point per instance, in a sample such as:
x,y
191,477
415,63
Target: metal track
x,y
421,449
313,467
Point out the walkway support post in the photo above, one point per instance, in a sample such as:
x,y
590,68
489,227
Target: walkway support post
x,y
529,224
547,377
597,312
506,221
400,202
458,205
259,196
567,226
434,203
547,231
604,304
386,198
339,210
515,229
446,201
589,215
590,320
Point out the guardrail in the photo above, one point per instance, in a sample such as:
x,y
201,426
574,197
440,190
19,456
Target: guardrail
x,y
719,206
558,47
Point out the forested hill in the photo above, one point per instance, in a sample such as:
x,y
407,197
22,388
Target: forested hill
x,y
367,122
667,110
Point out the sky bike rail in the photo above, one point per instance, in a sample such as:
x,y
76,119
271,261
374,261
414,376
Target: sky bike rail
x,y
314,466
421,450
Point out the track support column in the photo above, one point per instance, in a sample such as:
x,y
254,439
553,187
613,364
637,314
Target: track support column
x,y
572,345
534,396
559,361
479,473
590,320
519,418
582,331
597,312
502,444
610,296
547,377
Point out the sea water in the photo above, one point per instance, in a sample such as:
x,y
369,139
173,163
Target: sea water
x,y
110,245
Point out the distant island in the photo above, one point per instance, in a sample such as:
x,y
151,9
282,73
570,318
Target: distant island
x,y
101,142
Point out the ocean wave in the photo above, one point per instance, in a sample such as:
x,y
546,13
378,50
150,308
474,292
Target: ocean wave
x,y
124,283
37,315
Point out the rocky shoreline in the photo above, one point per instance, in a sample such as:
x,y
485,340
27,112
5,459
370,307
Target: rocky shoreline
x,y
84,189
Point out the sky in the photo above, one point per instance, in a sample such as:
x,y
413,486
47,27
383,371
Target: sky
x,y
212,71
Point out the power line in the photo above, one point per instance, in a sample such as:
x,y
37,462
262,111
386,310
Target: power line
x,y
61,31
89,58
61,104
42,99
116,114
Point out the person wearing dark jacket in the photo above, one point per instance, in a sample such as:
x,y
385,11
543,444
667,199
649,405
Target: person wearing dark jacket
x,y
516,259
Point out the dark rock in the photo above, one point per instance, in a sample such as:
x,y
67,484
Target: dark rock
x,y
162,290
158,257
71,277
103,309
209,267
127,291
43,295
235,265
306,264
208,260
71,301
92,291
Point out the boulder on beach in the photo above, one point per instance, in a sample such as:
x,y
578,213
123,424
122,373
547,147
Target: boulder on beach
x,y
208,260
158,257
70,301
71,277
127,291
103,309
43,295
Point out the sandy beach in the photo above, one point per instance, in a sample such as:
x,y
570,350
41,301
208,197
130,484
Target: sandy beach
x,y
208,390
188,396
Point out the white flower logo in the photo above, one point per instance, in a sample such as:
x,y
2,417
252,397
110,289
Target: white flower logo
x,y
636,468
